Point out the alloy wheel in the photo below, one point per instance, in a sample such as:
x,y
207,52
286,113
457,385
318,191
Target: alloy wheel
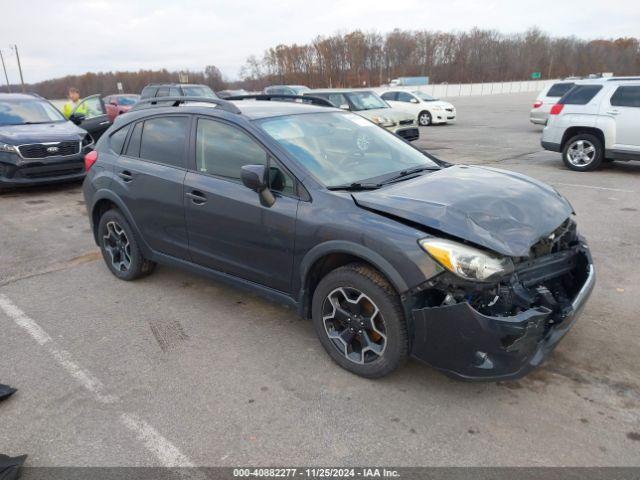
x,y
117,245
581,153
354,325
424,119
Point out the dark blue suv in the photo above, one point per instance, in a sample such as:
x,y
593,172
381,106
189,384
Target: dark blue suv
x,y
39,145
391,252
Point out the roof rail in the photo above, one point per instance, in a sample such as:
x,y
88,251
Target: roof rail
x,y
175,101
303,98
623,79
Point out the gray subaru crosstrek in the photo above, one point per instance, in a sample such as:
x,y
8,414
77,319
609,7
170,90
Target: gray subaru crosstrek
x,y
390,252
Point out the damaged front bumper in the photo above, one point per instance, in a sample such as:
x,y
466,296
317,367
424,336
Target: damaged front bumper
x,y
465,343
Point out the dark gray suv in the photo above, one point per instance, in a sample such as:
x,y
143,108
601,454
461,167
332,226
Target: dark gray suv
x,y
391,252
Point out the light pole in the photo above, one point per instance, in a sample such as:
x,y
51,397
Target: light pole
x,y
4,67
15,47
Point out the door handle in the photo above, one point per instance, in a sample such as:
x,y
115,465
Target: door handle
x,y
197,197
106,122
125,175
613,112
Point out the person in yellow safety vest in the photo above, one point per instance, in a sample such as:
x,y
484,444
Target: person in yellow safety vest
x,y
74,100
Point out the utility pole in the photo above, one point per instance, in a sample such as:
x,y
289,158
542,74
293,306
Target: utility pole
x,y
15,47
4,67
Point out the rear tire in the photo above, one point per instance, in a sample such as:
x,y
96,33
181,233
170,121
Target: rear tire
x,y
120,248
583,153
357,304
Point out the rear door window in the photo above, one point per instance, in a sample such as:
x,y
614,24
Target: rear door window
x,y
559,89
627,96
580,94
164,139
163,92
390,96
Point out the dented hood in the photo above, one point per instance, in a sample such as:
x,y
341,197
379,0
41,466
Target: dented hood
x,y
503,211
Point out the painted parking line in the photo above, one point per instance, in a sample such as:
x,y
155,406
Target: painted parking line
x,y
594,187
167,454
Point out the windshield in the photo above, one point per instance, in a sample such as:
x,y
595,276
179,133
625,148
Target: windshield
x,y
343,148
30,110
366,101
424,97
199,91
124,101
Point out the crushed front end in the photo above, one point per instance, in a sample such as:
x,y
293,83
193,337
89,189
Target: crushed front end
x,y
503,329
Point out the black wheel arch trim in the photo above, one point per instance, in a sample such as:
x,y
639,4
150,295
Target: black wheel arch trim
x,y
349,248
104,194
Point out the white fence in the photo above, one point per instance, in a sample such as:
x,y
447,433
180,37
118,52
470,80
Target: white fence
x,y
444,90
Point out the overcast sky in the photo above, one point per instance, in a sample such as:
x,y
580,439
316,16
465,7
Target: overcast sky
x,y
61,37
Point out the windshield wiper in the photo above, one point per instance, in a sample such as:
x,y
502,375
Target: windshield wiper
x,y
355,186
407,173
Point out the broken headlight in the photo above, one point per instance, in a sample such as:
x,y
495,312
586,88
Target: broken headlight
x,y
467,262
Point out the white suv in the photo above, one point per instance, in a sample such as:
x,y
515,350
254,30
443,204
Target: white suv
x,y
597,120
426,109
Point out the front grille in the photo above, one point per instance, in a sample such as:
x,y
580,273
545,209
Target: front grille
x,y
410,134
406,122
42,150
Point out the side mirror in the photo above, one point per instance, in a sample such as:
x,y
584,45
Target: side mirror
x,y
344,106
414,100
255,178
77,118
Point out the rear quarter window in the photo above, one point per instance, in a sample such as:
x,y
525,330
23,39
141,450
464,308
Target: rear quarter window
x,y
116,139
580,95
559,89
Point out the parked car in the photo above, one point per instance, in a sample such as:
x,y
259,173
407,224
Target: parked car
x,y
595,121
427,109
176,90
37,144
231,93
409,81
389,251
286,90
546,99
369,105
119,103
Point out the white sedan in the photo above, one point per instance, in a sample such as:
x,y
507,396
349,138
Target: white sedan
x,y
428,110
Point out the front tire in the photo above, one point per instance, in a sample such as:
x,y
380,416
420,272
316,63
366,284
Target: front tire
x,y
120,249
424,119
360,322
583,153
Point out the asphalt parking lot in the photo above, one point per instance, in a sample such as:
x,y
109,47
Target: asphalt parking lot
x,y
179,370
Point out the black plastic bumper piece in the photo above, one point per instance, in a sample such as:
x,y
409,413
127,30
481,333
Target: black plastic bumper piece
x,y
466,344
554,147
42,171
409,134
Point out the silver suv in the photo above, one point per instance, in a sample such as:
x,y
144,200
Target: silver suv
x,y
596,121
548,98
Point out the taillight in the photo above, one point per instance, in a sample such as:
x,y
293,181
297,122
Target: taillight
x,y
538,104
89,159
557,108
